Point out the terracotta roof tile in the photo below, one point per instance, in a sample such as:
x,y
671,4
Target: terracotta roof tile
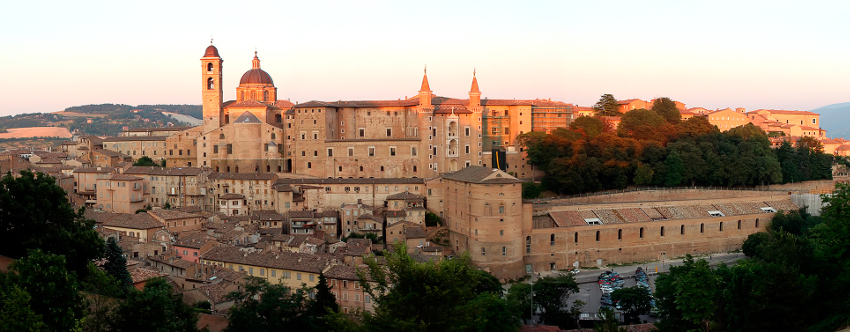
x,y
314,263
134,221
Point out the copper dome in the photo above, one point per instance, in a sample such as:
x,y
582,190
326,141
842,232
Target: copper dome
x,y
211,52
256,76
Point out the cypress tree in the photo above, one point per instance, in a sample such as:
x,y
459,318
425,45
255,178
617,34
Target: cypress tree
x,y
116,264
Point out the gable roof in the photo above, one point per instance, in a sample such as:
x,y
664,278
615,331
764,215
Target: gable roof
x,y
247,117
134,221
479,174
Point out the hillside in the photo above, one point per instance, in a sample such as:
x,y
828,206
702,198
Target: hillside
x,y
835,119
103,119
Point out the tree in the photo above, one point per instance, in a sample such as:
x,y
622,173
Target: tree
x,y
519,299
696,126
642,124
607,322
145,161
16,313
686,296
433,296
101,292
531,190
675,169
635,301
116,264
324,304
156,308
590,126
643,174
265,307
666,108
35,214
607,106
52,289
551,295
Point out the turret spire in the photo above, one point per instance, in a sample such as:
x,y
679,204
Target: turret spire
x,y
255,64
425,86
474,88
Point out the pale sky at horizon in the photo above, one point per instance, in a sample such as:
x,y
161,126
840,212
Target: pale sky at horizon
x,y
765,54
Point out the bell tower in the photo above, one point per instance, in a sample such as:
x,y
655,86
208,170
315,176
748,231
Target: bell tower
x,y
211,78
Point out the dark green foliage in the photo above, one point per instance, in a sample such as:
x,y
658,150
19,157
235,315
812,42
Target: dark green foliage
x,y
16,313
634,301
607,106
640,124
263,307
35,214
607,322
167,206
531,190
449,295
101,290
156,308
589,126
116,264
51,287
551,295
431,219
145,161
324,304
795,280
519,299
666,108
675,169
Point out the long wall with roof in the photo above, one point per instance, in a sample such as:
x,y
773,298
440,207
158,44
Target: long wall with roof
x,y
601,234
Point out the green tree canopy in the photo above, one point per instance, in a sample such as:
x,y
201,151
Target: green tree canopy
x,y
666,108
156,308
35,214
635,301
51,287
590,126
448,295
607,106
145,161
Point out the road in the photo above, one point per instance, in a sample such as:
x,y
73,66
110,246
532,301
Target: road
x,y
589,291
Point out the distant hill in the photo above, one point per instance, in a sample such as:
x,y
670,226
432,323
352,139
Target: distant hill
x,y
835,119
105,119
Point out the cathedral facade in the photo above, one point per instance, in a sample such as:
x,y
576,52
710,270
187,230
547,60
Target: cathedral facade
x,y
421,136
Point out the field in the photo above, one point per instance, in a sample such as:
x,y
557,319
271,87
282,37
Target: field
x,y
36,132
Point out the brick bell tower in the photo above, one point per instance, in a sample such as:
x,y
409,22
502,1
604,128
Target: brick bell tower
x,y
211,67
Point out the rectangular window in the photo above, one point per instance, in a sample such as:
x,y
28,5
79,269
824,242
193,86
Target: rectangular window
x,y
330,152
389,132
467,149
392,151
298,276
371,151
412,151
466,131
362,132
229,148
351,152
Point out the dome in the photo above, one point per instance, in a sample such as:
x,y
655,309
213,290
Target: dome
x,y
256,76
211,52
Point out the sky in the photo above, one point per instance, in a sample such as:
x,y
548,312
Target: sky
x,y
711,54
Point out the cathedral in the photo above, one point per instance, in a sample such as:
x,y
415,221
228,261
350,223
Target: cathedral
x,y
421,136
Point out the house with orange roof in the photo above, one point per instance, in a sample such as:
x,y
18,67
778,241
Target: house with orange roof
x,y
632,104
790,117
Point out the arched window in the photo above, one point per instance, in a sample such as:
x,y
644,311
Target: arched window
x,y
641,232
757,222
739,224
487,210
619,234
552,240
576,237
273,135
361,168
682,229
237,169
268,168
221,136
502,208
482,251
702,228
228,169
210,83
309,165
265,96
597,236
504,251
527,244
209,66
277,118
243,94
662,230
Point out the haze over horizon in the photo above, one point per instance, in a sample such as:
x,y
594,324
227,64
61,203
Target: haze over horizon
x,y
780,55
